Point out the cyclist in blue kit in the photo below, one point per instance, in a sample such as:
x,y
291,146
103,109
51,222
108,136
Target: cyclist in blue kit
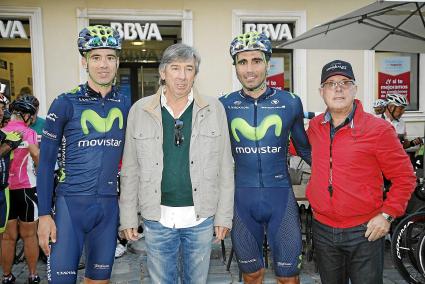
x,y
86,126
260,121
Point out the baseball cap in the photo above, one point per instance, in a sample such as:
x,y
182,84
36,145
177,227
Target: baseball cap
x,y
337,67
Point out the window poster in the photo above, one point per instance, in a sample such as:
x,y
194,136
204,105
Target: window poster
x,y
276,75
394,76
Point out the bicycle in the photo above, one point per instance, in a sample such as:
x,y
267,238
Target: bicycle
x,y
405,241
420,254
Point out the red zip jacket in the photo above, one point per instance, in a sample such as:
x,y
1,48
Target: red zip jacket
x,y
362,151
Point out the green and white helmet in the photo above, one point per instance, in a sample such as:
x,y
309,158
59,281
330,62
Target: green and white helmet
x,y
98,36
251,41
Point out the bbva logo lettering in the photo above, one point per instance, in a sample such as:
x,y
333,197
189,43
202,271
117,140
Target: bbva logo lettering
x,y
99,123
255,133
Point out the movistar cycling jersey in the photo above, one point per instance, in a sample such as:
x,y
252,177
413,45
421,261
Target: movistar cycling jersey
x,y
89,131
259,130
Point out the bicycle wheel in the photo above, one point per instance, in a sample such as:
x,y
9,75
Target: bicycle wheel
x,y
420,254
404,244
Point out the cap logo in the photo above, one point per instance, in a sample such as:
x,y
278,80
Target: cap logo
x,y
336,67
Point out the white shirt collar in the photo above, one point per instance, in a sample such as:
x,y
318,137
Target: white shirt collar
x,y
168,108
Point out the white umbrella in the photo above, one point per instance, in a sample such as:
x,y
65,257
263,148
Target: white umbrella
x,y
383,25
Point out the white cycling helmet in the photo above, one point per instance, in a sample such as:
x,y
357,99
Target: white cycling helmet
x,y
380,103
397,100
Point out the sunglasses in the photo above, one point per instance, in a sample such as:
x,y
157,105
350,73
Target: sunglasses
x,y
178,133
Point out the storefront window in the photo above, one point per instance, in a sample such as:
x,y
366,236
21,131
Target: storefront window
x,y
398,73
15,56
142,48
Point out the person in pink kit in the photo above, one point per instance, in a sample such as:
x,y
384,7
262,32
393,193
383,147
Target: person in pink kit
x,y
23,214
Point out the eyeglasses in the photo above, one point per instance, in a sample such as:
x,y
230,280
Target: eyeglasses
x,y
178,133
344,84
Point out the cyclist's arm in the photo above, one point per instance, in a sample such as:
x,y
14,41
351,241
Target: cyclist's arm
x,y
9,142
59,114
4,150
34,152
400,128
298,134
412,143
34,149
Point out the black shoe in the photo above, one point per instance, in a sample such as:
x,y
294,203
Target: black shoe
x,y
8,279
34,279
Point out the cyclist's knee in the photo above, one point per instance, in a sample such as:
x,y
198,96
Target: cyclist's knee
x,y
10,234
91,281
288,280
28,229
254,277
7,236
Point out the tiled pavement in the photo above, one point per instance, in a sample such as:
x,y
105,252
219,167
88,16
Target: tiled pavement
x,y
131,269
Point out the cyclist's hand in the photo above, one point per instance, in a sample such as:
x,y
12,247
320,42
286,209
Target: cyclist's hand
x,y
130,234
46,230
377,227
416,141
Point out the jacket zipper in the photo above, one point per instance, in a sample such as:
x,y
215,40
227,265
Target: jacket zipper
x,y
260,171
330,188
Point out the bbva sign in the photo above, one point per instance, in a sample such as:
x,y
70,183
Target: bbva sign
x,y
273,31
132,31
12,29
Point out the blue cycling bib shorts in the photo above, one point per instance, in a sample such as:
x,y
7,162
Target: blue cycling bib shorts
x,y
94,225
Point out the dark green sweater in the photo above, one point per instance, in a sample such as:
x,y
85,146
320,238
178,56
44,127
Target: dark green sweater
x,y
176,186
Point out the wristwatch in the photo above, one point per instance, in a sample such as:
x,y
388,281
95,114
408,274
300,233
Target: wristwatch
x,y
388,217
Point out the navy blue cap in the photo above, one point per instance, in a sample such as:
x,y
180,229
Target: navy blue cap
x,y
337,67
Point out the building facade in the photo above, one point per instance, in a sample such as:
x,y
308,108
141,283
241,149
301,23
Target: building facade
x,y
38,47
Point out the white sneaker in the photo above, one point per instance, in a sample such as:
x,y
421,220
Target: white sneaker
x,y
120,250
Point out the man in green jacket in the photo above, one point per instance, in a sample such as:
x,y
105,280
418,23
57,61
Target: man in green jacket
x,y
178,170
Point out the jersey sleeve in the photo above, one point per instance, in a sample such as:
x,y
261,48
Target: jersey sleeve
x,y
298,134
59,114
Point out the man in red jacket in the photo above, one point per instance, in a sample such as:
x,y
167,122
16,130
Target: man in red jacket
x,y
351,149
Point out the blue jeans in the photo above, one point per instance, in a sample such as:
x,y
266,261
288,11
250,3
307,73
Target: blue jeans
x,y
343,254
164,246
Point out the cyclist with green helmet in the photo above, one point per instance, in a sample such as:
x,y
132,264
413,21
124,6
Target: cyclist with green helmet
x,y
260,121
86,125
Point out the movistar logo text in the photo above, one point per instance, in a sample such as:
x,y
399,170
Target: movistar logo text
x,y
99,123
255,133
